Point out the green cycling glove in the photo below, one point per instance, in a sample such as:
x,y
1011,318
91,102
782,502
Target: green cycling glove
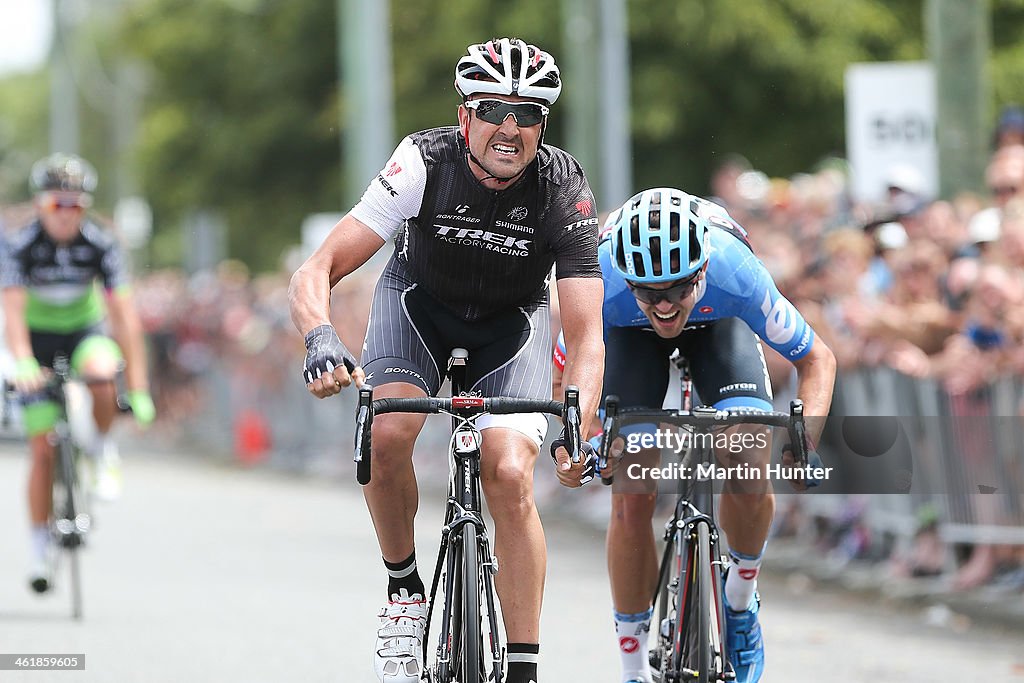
x,y
26,371
142,407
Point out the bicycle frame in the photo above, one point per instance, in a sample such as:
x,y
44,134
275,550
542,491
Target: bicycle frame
x,y
464,557
691,610
69,518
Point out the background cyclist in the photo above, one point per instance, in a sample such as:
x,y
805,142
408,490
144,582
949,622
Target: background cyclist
x,y
480,213
48,272
680,267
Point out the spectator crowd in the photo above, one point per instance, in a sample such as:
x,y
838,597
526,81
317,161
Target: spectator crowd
x,y
932,288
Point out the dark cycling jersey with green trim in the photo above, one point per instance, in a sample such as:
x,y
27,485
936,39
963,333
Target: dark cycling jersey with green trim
x,y
61,278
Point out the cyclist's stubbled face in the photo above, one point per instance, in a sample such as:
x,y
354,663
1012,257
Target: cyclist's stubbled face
x,y
668,317
61,214
503,150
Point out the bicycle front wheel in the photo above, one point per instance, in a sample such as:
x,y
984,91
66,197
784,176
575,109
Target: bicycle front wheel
x,y
692,658
70,522
471,669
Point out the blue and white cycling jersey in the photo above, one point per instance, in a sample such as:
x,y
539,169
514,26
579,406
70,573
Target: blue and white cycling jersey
x,y
736,285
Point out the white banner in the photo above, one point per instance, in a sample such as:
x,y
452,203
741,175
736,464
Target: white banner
x,y
891,116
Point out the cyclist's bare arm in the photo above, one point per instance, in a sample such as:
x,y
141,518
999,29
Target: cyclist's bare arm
x,y
580,301
349,245
15,330
126,328
19,342
816,376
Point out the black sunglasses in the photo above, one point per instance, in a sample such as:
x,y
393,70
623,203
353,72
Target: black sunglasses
x,y
496,111
673,294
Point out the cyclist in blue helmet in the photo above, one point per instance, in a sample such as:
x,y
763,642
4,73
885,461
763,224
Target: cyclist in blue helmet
x,y
680,267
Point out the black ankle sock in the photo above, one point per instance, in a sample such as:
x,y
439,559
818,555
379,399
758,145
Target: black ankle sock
x,y
404,575
522,662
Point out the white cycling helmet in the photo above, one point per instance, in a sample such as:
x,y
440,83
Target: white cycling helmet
x,y
508,66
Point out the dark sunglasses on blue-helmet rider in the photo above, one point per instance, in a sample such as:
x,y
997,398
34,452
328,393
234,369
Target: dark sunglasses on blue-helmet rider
x,y
679,290
496,111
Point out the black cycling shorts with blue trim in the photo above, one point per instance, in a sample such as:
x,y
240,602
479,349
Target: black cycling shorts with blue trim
x,y
726,364
411,334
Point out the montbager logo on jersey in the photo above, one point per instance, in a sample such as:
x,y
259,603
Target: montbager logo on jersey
x,y
518,213
462,208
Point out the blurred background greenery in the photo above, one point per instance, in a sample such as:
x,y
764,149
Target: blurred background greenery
x,y
234,106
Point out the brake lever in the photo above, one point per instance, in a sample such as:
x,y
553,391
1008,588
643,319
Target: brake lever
x,y
571,413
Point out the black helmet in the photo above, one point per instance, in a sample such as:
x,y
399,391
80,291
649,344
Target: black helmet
x,y
63,173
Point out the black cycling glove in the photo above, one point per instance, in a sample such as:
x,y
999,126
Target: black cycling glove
x,y
589,457
324,352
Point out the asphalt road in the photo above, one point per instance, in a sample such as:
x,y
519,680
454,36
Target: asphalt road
x,y
208,573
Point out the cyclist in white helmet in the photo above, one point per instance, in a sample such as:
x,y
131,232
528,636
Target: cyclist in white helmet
x,y
479,214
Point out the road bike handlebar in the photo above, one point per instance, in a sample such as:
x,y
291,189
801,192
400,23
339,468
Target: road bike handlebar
x,y
463,406
706,417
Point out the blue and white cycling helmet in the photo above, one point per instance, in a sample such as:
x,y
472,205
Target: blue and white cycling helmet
x,y
659,235
508,66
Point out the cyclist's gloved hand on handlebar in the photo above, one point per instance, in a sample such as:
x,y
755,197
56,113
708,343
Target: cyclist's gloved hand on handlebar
x,y
329,366
569,473
813,462
28,376
142,407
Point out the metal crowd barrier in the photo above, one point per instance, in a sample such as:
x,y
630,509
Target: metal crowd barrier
x,y
966,453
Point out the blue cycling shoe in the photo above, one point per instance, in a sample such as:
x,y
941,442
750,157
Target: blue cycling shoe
x,y
743,636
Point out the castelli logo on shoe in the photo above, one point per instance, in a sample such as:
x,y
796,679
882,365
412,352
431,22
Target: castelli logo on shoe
x,y
748,574
628,644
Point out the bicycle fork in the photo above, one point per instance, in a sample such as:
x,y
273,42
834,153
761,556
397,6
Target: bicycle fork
x,y
691,540
462,511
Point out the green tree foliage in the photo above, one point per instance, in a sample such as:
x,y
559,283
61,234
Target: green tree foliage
x,y
242,107
764,79
241,115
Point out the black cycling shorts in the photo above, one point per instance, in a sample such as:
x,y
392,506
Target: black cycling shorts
x,y
725,357
410,337
48,345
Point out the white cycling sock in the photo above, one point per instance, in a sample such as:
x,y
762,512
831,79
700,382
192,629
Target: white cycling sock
x,y
40,541
742,580
631,631
98,446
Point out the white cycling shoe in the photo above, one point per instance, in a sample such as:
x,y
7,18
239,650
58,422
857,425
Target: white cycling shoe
x,y
398,657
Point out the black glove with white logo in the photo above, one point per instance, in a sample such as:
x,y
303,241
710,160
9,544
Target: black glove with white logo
x,y
324,352
589,457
